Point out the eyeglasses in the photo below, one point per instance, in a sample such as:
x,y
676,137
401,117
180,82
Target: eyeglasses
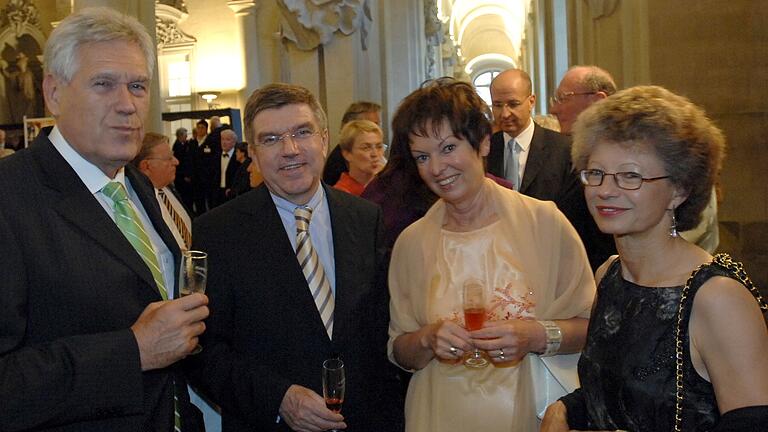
x,y
368,147
511,104
298,136
561,98
624,180
164,159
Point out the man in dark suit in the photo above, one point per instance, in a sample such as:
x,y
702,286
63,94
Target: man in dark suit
x,y
269,335
87,340
241,183
538,161
225,170
184,150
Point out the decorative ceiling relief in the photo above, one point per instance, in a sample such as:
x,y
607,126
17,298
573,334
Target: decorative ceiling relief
x,y
18,14
309,23
168,15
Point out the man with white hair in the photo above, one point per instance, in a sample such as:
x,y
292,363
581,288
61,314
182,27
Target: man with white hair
x,y
91,323
224,172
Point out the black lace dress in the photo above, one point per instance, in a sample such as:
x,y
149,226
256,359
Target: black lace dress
x,y
627,369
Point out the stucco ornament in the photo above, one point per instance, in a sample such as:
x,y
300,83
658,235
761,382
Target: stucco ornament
x,y
309,23
18,13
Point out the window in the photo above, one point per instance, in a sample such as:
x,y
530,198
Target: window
x,y
482,83
178,79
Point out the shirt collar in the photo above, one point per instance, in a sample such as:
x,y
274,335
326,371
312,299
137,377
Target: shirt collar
x,y
93,177
316,201
524,138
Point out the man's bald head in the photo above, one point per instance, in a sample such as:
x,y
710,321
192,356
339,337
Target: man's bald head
x,y
512,100
580,87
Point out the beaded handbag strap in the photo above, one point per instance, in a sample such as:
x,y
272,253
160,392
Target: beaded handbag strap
x,y
737,271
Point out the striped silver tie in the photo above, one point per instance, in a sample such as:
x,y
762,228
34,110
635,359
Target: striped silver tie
x,y
313,269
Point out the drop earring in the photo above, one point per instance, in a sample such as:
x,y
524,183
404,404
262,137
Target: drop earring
x,y
673,228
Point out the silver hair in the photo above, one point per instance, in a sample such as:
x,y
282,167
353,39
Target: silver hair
x,y
91,25
230,132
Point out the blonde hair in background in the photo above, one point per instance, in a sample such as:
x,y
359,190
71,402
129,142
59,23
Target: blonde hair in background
x,y
351,130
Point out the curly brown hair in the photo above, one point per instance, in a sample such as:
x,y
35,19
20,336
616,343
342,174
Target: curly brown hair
x,y
689,145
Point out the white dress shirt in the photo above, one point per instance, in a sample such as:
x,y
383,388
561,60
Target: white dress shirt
x,y
524,140
95,179
320,231
224,165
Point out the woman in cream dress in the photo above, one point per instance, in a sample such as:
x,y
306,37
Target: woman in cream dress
x,y
539,287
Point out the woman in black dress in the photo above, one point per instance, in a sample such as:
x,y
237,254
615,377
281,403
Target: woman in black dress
x,y
677,340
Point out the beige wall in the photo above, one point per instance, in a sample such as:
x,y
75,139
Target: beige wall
x,y
715,52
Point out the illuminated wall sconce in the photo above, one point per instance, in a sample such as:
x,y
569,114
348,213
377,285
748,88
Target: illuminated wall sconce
x,y
209,97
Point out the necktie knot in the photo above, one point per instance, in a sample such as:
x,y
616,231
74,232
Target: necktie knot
x,y
225,155
115,191
302,215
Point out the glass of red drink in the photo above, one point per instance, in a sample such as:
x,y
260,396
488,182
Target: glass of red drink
x,y
334,384
474,317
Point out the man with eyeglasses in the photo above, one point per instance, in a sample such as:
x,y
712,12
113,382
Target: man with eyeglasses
x,y
295,278
538,160
580,87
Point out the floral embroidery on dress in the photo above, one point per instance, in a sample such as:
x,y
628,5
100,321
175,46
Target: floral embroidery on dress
x,y
507,303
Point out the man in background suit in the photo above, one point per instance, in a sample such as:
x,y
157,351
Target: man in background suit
x,y
87,341
225,171
538,160
205,158
268,336
184,150
156,161
580,87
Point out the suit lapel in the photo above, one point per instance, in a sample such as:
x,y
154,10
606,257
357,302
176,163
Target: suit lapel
x,y
347,248
146,193
537,157
72,200
495,157
278,254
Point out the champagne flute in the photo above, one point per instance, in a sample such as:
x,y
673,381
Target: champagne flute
x,y
334,384
474,317
193,275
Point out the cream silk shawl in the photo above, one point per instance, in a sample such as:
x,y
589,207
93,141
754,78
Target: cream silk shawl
x,y
552,257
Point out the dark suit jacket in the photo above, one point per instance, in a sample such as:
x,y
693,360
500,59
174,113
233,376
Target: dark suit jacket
x,y
241,182
549,176
265,334
71,286
334,166
219,196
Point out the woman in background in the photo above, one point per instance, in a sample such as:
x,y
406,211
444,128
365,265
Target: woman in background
x,y
648,159
362,146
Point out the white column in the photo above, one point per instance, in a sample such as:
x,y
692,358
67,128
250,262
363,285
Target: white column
x,y
403,64
245,11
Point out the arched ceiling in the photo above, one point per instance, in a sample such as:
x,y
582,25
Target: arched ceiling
x,y
486,29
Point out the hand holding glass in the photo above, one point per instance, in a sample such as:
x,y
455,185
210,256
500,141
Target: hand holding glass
x,y
474,317
334,384
193,276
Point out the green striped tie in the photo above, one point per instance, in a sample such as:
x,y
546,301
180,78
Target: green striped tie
x,y
129,223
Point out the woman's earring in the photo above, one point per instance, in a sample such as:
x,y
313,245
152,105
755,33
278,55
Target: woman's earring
x,y
673,228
